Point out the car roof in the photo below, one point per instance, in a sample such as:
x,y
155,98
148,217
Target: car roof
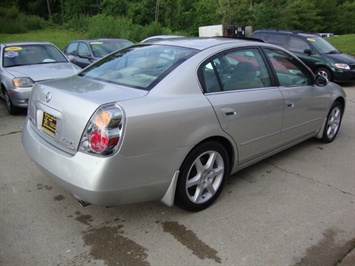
x,y
295,32
202,43
24,43
100,39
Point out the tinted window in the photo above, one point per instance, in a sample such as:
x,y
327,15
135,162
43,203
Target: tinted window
x,y
138,66
240,69
277,39
289,70
297,45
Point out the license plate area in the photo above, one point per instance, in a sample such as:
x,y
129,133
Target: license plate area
x,y
49,123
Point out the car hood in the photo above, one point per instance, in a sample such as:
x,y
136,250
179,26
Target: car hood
x,y
72,101
47,71
341,58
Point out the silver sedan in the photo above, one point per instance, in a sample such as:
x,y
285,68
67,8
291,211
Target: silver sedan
x,y
22,64
170,121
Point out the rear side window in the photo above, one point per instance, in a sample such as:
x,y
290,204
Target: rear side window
x,y
277,39
297,45
289,71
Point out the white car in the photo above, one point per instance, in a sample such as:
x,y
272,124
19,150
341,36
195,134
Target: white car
x,y
25,63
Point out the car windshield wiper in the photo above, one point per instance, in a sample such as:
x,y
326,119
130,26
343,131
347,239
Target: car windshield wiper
x,y
333,52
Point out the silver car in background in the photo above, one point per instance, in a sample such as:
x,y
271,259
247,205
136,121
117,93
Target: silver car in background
x,y
171,120
22,64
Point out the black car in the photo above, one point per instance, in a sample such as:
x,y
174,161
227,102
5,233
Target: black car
x,y
85,52
318,54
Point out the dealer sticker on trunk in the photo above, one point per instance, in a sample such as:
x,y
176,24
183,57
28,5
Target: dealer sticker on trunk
x,y
49,123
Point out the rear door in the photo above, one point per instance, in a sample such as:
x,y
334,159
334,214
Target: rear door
x,y
238,86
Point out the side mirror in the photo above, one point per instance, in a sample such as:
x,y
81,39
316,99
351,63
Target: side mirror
x,y
321,81
84,55
71,58
308,51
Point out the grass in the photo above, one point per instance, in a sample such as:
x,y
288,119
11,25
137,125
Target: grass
x,y
61,38
344,43
58,37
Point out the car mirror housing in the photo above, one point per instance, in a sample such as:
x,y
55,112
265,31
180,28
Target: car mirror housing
x,y
321,81
85,55
307,51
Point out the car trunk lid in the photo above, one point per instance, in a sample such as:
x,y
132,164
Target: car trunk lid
x,y
61,109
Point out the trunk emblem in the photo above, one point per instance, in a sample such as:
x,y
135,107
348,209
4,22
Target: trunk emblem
x,y
48,97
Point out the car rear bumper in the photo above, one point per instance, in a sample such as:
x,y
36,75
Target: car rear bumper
x,y
105,181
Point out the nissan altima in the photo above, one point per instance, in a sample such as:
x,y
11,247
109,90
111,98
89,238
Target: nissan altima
x,y
171,120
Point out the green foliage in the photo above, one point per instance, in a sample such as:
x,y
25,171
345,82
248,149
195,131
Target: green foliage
x,y
59,37
23,23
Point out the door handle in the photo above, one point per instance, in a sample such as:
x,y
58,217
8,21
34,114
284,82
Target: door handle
x,y
228,111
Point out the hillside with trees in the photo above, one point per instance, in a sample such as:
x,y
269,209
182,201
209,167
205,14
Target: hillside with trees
x,y
137,19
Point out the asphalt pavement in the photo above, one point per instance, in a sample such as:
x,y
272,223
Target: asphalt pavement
x,y
295,208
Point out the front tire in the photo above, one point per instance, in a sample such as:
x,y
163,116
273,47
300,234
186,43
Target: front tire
x,y
9,105
333,123
325,72
202,176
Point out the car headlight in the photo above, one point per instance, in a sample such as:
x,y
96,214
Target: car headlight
x,y
22,82
342,66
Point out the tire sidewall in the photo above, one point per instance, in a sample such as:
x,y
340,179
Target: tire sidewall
x,y
181,197
325,137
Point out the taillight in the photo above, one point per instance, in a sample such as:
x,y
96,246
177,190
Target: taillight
x,y
104,131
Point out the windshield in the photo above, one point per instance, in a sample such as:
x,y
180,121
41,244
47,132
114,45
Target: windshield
x,y
102,48
321,45
141,66
20,55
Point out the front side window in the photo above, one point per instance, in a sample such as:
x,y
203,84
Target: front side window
x,y
138,66
297,45
71,49
289,71
83,49
235,70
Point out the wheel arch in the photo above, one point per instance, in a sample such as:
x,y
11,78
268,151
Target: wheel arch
x,y
224,142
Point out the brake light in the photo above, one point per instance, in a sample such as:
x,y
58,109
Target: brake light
x,y
98,141
104,131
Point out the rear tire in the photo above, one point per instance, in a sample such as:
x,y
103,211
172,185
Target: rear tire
x,y
333,123
202,176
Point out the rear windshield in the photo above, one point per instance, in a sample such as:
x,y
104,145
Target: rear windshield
x,y
141,66
20,55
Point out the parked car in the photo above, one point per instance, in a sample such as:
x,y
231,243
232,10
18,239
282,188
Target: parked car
x,y
172,120
85,52
25,63
318,54
156,38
